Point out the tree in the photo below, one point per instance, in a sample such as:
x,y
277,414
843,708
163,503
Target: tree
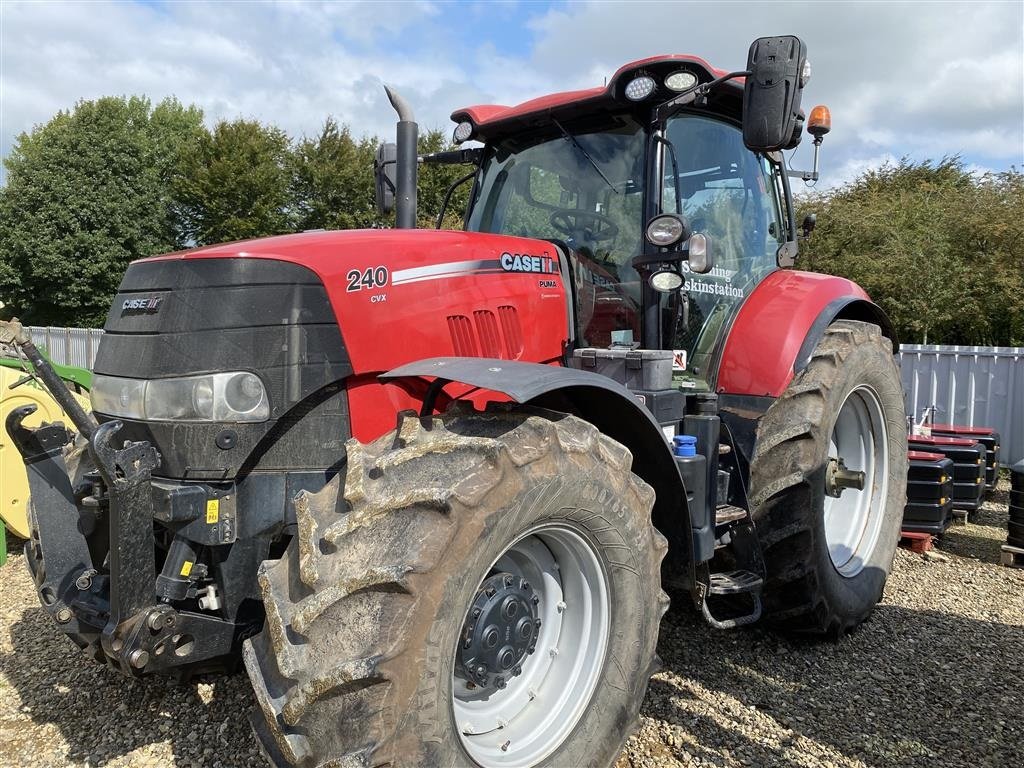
x,y
233,184
86,194
939,249
332,180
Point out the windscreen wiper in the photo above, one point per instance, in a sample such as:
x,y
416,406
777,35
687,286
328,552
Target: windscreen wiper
x,y
584,152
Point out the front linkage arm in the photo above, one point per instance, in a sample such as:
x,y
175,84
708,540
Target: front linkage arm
x,y
109,608
13,332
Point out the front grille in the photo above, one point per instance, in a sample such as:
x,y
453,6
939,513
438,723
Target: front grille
x,y
178,317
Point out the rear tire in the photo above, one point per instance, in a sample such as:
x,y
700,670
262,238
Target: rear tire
x,y
827,559
366,612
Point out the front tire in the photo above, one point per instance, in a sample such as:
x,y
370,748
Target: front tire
x,y
371,612
827,558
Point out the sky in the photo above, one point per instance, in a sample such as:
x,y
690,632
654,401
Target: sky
x,y
902,79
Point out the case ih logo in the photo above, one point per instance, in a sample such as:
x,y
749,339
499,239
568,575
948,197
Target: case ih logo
x,y
522,262
146,305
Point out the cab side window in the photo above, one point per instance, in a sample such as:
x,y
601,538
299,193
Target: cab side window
x,y
725,191
728,193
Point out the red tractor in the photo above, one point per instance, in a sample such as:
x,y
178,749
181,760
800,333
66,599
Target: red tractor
x,y
607,383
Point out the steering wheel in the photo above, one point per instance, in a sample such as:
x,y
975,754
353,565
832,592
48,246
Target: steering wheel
x,y
572,222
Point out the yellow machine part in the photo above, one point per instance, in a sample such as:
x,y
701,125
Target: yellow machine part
x,y
13,478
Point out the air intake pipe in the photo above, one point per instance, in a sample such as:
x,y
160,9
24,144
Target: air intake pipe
x,y
406,164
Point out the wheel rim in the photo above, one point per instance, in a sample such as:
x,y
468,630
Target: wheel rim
x,y
527,720
853,521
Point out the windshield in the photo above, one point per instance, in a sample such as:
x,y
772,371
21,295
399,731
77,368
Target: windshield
x,y
584,187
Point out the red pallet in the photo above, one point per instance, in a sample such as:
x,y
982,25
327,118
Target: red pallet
x,y
917,542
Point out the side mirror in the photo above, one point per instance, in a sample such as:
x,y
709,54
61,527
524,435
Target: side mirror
x,y
385,173
771,94
809,222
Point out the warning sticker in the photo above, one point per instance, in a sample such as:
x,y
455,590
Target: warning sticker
x,y
186,568
212,511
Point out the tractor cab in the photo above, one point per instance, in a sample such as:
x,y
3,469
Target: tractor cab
x,y
664,144
589,190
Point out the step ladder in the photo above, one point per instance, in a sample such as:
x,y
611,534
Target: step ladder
x,y
729,593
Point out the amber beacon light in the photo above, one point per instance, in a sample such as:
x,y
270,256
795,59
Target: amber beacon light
x,y
820,122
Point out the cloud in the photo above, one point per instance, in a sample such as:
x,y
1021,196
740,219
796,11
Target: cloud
x,y
917,79
290,64
925,79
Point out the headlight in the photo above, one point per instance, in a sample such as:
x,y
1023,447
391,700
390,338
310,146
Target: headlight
x,y
666,280
680,80
640,88
117,396
665,230
463,132
225,397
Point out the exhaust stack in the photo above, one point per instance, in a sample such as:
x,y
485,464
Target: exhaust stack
x,y
406,163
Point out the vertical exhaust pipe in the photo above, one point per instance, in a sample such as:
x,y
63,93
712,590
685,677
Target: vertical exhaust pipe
x,y
406,164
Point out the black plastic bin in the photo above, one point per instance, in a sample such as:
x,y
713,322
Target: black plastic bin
x,y
968,458
987,437
929,493
1015,532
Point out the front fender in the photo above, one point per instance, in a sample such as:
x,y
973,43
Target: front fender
x,y
606,404
780,323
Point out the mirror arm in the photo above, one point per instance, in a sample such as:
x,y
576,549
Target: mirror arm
x,y
391,184
448,195
697,93
811,175
662,257
472,156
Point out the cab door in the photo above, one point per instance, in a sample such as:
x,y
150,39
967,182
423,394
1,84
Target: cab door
x,y
730,194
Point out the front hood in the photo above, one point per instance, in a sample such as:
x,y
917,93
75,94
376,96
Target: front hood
x,y
340,249
395,292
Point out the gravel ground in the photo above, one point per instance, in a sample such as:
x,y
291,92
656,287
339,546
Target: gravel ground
x,y
936,677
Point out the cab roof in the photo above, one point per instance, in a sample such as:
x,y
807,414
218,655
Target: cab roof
x,y
491,119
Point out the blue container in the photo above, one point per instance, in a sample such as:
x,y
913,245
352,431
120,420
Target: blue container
x,y
684,445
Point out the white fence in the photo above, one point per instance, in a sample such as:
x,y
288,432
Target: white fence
x,y
975,386
68,346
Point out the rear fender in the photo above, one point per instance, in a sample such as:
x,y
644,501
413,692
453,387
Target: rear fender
x,y
607,405
781,322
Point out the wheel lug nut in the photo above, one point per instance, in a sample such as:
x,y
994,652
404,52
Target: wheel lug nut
x,y
508,579
500,682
